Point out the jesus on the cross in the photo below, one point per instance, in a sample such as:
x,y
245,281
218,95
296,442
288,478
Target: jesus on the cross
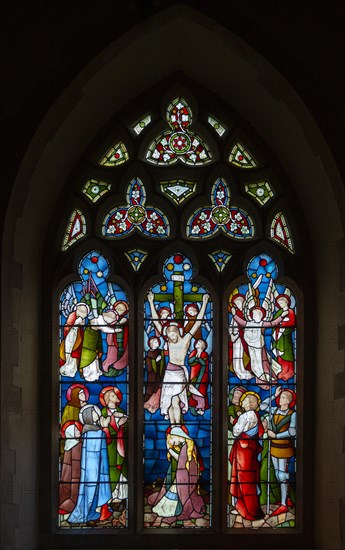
x,y
174,399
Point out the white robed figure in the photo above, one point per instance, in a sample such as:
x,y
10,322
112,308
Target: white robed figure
x,y
73,332
236,335
256,319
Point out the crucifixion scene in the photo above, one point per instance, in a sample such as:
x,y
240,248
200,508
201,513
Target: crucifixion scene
x,y
177,372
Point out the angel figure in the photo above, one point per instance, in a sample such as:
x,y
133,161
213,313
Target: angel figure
x,y
73,332
282,336
256,318
239,359
107,315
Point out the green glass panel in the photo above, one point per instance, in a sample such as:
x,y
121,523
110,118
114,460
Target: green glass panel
x,y
241,157
94,189
115,156
262,192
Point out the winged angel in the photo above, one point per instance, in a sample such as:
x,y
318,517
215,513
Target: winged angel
x,y
76,314
81,347
256,318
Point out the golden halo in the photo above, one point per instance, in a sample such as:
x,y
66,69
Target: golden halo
x,y
244,395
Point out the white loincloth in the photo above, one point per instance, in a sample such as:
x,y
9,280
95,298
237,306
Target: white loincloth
x,y
175,382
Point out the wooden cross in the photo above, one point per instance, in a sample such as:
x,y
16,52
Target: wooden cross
x,y
178,297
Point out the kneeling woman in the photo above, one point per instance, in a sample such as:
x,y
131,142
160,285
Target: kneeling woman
x,y
179,497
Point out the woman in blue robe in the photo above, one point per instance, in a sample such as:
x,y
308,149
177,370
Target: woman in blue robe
x,y
94,489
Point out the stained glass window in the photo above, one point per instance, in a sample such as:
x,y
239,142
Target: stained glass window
x,y
139,126
93,416
262,400
171,418
233,221
241,157
216,125
178,340
94,189
149,220
280,231
262,192
178,190
115,156
76,229
179,143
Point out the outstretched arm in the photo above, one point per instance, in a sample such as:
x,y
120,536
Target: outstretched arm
x,y
276,321
197,323
100,324
239,321
154,314
266,403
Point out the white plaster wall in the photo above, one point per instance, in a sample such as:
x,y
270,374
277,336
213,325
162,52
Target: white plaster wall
x,y
224,64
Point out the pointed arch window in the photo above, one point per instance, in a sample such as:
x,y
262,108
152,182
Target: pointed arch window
x,y
179,380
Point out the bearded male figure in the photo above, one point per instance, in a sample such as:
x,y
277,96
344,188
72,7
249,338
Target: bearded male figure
x,y
174,399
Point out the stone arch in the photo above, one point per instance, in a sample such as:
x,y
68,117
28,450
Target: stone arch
x,y
224,63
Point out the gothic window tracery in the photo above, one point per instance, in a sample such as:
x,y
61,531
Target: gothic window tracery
x,y
193,248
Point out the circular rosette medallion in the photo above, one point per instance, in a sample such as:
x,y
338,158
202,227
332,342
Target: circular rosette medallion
x,y
136,214
179,143
220,215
